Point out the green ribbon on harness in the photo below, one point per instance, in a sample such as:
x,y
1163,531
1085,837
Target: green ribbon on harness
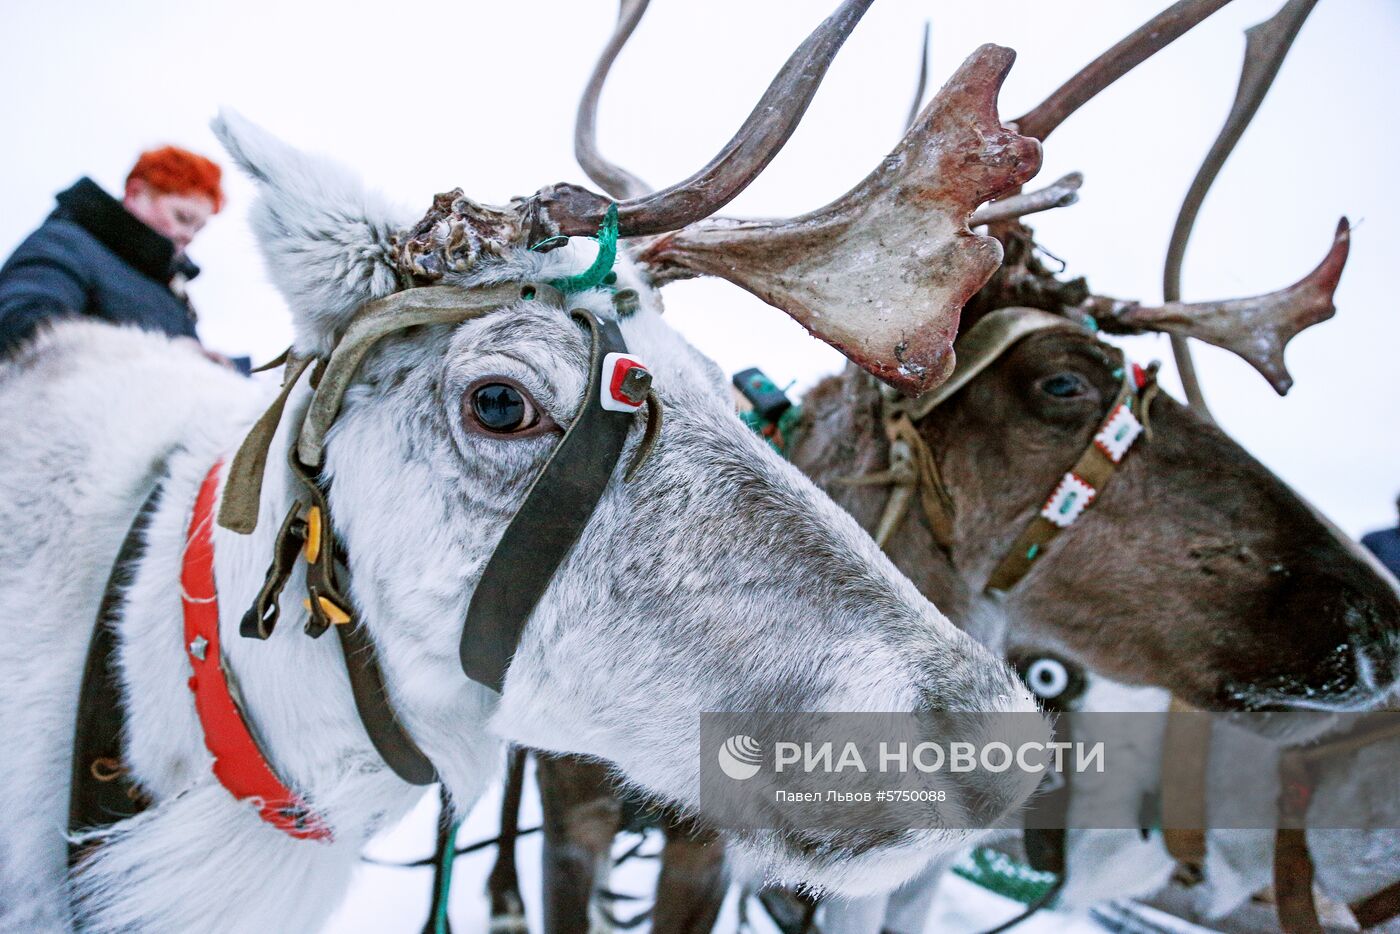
x,y
593,276
784,425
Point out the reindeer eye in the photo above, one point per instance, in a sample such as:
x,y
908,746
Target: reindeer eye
x,y
1063,386
500,408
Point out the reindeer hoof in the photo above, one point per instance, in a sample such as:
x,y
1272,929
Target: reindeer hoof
x,y
508,914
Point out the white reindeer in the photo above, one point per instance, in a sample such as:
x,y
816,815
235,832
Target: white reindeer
x,y
718,578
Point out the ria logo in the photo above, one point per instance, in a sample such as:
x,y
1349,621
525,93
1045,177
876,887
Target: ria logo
x,y
740,757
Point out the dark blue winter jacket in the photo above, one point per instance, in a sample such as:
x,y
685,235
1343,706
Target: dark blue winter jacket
x,y
93,257
1385,545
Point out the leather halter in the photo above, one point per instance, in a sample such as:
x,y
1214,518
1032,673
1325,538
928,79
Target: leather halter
x,y
913,467
102,791
556,510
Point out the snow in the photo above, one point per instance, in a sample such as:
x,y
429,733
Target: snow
x,y
389,900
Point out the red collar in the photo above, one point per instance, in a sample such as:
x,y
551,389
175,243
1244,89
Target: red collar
x,y
238,762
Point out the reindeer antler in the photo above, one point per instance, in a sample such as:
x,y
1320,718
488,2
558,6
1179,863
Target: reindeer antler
x,y
1266,46
574,211
457,230
1060,193
607,175
1134,49
883,272
1255,329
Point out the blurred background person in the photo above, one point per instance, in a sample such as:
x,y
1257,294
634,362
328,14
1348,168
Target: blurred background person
x,y
1385,544
117,261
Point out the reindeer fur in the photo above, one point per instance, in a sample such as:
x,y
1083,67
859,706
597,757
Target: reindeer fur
x,y
719,579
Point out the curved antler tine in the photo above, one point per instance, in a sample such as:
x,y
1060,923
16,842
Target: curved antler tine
x,y
1255,329
1156,34
574,211
1266,46
883,272
613,179
1058,194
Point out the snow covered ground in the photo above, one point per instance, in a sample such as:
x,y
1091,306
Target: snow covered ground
x,y
388,900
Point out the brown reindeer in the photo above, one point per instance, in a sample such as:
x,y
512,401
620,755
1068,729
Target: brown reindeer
x,y
1196,568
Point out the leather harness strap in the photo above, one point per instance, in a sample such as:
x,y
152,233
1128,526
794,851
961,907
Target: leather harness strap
x,y
1293,866
239,763
912,471
1185,759
102,792
386,731
1078,488
1377,909
555,512
307,533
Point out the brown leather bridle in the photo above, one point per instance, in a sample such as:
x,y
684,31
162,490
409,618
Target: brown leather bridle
x,y
913,469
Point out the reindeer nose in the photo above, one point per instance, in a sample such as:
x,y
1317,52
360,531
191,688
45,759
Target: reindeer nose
x,y
1375,642
1337,638
1369,611
1377,663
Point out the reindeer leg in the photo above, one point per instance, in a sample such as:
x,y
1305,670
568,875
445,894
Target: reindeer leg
x,y
692,884
581,816
503,885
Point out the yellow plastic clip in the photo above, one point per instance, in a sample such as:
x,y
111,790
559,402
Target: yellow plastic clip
x,y
312,549
333,613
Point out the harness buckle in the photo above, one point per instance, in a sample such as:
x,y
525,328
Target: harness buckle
x,y
107,769
325,611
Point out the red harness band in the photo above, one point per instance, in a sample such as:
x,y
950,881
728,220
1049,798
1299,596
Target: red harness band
x,y
238,762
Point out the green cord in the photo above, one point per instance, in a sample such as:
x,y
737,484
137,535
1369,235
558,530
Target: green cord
x,y
594,275
449,854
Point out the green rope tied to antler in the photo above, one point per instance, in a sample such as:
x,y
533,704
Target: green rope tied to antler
x,y
593,276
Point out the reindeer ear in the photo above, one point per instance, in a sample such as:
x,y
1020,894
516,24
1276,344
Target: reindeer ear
x,y
326,239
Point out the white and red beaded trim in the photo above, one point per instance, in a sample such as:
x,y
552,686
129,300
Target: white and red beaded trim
x,y
1071,497
1118,433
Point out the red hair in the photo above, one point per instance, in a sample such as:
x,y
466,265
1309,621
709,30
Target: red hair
x,y
177,171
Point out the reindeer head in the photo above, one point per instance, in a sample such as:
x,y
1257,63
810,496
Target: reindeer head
x,y
1196,569
713,577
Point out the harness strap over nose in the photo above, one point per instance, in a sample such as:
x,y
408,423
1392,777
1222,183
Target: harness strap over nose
x,y
556,510
1078,488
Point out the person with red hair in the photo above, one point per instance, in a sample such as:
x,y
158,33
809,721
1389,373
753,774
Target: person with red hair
x,y
122,262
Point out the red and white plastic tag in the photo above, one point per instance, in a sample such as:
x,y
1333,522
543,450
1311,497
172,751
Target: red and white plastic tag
x,y
615,392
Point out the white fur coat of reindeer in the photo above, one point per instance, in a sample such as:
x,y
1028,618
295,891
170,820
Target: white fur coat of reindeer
x,y
719,578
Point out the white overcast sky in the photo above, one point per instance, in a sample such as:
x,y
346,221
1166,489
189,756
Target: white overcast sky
x,y
426,96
